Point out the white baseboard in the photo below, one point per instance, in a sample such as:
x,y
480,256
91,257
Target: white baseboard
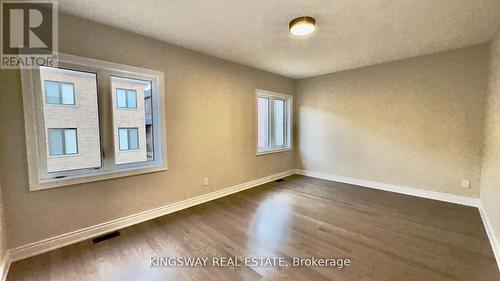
x,y
4,266
60,241
463,200
495,244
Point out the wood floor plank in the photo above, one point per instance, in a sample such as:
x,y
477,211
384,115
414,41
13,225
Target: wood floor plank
x,y
387,236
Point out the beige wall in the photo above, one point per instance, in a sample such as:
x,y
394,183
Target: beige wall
x,y
210,132
490,177
415,122
3,234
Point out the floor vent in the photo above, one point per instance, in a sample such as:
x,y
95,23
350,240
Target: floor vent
x,y
279,180
106,237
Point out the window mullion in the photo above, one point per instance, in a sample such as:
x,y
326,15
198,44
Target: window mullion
x,y
129,139
59,88
105,108
63,141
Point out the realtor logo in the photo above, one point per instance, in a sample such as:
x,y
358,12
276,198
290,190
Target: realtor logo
x,y
29,33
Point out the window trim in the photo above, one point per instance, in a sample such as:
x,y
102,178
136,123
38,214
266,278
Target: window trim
x,y
34,120
288,146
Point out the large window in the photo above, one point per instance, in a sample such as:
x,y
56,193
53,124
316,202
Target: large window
x,y
274,115
112,128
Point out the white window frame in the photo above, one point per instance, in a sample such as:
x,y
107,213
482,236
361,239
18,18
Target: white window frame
x,y
288,142
36,148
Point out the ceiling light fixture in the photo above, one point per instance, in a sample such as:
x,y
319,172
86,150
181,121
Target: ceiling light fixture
x,y
302,26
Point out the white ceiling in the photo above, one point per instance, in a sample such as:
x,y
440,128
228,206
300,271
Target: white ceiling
x,y
350,33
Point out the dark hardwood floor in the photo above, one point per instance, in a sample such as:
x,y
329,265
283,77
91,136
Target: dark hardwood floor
x,y
386,236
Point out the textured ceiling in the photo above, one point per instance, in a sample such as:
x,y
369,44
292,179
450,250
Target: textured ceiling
x,y
350,33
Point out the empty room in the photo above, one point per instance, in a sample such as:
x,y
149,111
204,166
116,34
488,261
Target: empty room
x,y
250,140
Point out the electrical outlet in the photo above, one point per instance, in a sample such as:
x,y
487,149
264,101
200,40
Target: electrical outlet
x,y
205,181
465,183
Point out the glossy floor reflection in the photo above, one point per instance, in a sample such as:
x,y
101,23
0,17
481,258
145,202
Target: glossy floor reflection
x,y
386,236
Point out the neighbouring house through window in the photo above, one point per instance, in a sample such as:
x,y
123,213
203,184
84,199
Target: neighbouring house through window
x,y
92,120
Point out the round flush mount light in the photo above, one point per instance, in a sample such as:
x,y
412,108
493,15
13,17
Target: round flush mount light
x,y
302,26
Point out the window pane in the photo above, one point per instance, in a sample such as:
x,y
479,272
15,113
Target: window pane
x,y
68,96
279,122
133,137
70,141
55,137
123,139
131,99
139,122
263,122
52,92
121,98
78,125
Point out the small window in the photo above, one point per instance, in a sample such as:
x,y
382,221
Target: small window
x,y
59,93
128,138
126,98
62,142
274,115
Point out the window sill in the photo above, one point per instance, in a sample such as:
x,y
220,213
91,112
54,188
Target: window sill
x,y
128,108
61,105
270,151
128,150
73,180
63,156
